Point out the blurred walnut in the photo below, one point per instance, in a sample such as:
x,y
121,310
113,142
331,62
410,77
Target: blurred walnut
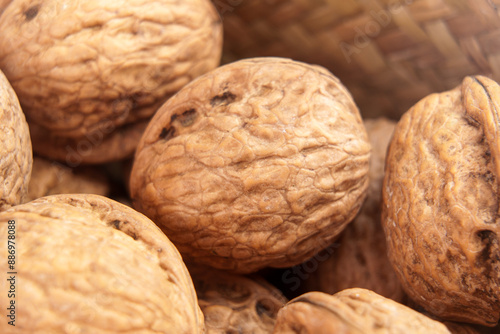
x,y
255,164
441,210
235,304
16,157
91,265
87,71
352,311
360,258
51,178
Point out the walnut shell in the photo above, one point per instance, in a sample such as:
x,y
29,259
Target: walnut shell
x,y
261,162
234,303
440,195
95,148
359,259
52,178
91,265
16,156
352,311
83,67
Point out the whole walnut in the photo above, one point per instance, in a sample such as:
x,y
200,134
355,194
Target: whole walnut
x,y
52,178
16,156
83,70
255,164
352,311
440,196
359,259
88,264
234,303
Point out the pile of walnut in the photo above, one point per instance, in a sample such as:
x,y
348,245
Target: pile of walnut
x,y
254,197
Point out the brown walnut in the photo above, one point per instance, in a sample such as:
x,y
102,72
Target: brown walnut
x,y
352,311
258,163
88,264
16,156
234,303
84,69
440,196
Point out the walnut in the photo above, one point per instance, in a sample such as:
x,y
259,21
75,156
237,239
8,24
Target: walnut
x,y
234,303
352,311
85,69
259,163
359,259
440,197
91,265
52,178
16,157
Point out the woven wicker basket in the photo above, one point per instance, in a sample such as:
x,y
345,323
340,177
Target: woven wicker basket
x,y
389,53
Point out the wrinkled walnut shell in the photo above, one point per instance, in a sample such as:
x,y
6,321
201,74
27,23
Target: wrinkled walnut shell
x,y
91,265
16,156
96,148
254,164
52,178
234,303
82,67
352,311
440,194
359,259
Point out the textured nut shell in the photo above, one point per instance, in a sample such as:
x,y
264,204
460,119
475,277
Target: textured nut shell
x,y
78,65
52,178
352,311
440,196
16,157
236,304
254,164
360,256
96,148
91,265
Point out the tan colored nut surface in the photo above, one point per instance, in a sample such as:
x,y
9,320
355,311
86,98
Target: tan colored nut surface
x,y
16,156
3,5
97,148
80,67
254,164
87,264
352,311
359,259
234,303
440,196
52,178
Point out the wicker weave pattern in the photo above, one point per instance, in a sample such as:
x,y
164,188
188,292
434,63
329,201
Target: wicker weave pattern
x,y
389,53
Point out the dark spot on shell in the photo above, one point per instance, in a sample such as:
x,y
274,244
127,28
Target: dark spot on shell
x,y
167,133
31,12
223,99
265,307
124,227
186,118
489,257
116,224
